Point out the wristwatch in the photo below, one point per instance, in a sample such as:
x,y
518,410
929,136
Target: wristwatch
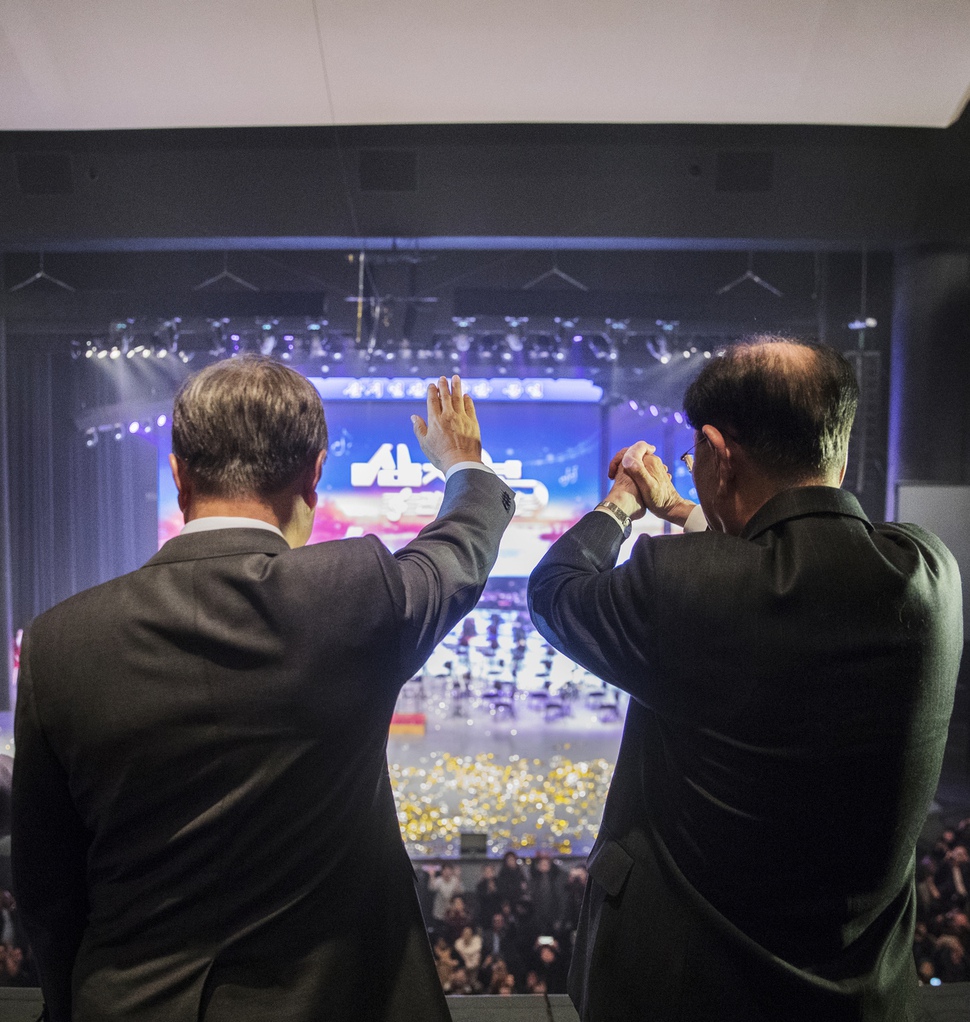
x,y
622,518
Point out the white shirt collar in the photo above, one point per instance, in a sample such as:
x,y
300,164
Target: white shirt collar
x,y
227,522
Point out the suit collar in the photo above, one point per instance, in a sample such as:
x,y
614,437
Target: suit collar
x,y
801,501
219,543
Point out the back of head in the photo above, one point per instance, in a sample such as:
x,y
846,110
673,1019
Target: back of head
x,y
247,426
789,404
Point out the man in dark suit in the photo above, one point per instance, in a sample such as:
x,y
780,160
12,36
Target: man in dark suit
x,y
203,824
792,671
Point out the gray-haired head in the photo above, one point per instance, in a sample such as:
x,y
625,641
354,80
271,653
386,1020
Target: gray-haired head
x,y
247,426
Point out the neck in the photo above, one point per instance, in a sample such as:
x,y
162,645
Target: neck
x,y
279,510
751,498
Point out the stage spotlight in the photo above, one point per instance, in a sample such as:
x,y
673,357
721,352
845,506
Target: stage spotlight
x,y
659,350
462,340
217,339
91,437
513,337
133,427
161,420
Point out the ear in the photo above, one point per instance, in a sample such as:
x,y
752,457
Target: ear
x,y
183,481
725,456
311,479
845,465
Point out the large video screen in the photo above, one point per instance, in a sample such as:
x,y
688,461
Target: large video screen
x,y
544,437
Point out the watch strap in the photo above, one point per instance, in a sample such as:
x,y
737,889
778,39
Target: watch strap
x,y
620,516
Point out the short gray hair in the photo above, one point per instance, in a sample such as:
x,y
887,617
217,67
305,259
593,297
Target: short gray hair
x,y
247,426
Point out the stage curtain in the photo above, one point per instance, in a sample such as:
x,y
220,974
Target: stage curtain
x,y
79,515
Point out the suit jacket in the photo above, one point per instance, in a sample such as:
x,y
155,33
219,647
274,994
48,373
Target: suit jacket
x,y
791,689
203,824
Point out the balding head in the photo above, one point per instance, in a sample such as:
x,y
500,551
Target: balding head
x,y
790,405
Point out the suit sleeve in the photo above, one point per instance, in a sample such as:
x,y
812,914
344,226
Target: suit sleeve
x,y
49,853
588,609
445,567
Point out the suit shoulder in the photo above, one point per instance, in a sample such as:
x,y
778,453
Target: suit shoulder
x,y
907,539
357,548
76,605
913,533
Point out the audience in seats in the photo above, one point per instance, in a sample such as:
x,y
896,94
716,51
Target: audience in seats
x,y
445,884
512,882
511,935
487,943
517,924
469,948
16,962
488,900
941,944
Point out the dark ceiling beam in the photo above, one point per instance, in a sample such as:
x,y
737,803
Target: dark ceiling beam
x,y
505,187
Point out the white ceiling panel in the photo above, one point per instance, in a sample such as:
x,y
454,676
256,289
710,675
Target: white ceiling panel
x,y
102,64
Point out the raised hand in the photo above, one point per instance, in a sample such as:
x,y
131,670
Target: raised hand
x,y
451,433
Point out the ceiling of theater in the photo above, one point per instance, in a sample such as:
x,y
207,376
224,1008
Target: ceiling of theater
x,y
106,64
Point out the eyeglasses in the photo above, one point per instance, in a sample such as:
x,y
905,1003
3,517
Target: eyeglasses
x,y
688,456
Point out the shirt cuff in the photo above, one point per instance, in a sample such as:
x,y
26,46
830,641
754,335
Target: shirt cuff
x,y
696,522
462,465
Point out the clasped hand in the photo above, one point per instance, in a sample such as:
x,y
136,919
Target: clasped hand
x,y
642,483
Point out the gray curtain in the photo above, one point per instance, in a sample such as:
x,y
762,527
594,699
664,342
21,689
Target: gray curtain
x,y
79,515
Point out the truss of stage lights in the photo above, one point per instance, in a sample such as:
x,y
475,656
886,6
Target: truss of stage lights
x,y
549,346
145,426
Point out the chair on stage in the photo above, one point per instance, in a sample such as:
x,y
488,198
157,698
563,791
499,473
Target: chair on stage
x,y
539,698
608,711
556,709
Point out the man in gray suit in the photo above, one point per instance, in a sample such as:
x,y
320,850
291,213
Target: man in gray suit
x,y
791,672
203,824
